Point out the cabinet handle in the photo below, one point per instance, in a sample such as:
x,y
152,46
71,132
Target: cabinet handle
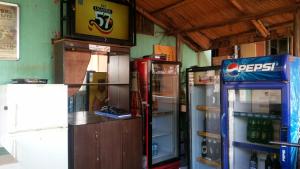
x,y
5,107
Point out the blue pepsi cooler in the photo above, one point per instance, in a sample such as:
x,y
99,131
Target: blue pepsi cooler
x,y
268,68
260,96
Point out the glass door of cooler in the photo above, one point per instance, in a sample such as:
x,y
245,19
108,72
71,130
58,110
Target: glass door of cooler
x,y
165,104
254,119
204,119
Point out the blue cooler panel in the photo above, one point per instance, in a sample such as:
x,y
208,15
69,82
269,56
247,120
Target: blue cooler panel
x,y
267,68
293,134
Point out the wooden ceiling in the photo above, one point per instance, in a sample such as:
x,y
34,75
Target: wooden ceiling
x,y
210,24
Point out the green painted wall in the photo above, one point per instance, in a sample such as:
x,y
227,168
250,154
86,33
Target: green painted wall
x,y
39,20
189,57
144,43
205,58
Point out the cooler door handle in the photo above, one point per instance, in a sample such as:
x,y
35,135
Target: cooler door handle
x,y
223,123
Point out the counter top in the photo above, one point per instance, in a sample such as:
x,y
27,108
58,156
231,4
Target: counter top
x,y
84,117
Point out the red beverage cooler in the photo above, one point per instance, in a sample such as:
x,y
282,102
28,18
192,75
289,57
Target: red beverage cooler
x,y
157,83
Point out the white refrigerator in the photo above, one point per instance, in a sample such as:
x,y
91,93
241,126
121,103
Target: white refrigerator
x,y
34,125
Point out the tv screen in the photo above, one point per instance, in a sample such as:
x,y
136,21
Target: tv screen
x,y
110,21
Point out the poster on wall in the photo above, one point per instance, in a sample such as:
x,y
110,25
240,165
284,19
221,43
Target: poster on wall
x,y
9,31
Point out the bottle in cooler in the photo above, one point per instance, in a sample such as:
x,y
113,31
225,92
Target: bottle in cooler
x,y
253,130
210,149
258,130
276,162
268,162
264,132
253,161
204,148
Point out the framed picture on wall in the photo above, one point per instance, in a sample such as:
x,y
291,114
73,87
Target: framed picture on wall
x,y
9,31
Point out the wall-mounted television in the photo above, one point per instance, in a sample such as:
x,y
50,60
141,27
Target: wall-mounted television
x,y
108,21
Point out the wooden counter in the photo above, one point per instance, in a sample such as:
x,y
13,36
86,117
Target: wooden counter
x,y
97,142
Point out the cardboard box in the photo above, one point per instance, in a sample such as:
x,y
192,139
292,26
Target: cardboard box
x,y
169,51
218,60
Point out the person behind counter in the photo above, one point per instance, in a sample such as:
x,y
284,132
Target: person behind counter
x,y
100,97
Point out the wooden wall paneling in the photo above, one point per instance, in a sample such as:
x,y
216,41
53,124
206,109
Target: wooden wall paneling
x,y
58,55
260,48
248,50
178,48
296,37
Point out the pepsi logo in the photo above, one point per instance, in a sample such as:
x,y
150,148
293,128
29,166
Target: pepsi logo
x,y
233,69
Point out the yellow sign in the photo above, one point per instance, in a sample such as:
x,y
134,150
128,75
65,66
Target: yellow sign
x,y
102,18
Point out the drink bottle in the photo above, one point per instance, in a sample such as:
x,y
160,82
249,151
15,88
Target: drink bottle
x,y
204,148
268,162
253,161
276,162
249,123
264,132
270,129
214,122
215,150
209,122
253,130
210,150
258,130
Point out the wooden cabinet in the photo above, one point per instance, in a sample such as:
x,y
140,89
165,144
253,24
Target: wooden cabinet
x,y
113,144
132,144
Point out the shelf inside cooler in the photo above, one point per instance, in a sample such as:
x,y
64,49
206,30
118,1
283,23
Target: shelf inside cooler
x,y
203,83
209,162
208,109
209,135
157,114
158,133
160,154
257,115
257,146
162,95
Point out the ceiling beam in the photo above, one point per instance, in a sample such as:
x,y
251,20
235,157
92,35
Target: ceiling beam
x,y
261,28
272,27
171,6
203,41
189,43
257,23
249,37
164,26
240,19
151,18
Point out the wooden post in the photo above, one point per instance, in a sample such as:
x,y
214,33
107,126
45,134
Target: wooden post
x,y
296,37
178,48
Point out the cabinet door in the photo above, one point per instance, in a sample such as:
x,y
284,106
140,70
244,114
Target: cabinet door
x,y
110,145
85,143
132,144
